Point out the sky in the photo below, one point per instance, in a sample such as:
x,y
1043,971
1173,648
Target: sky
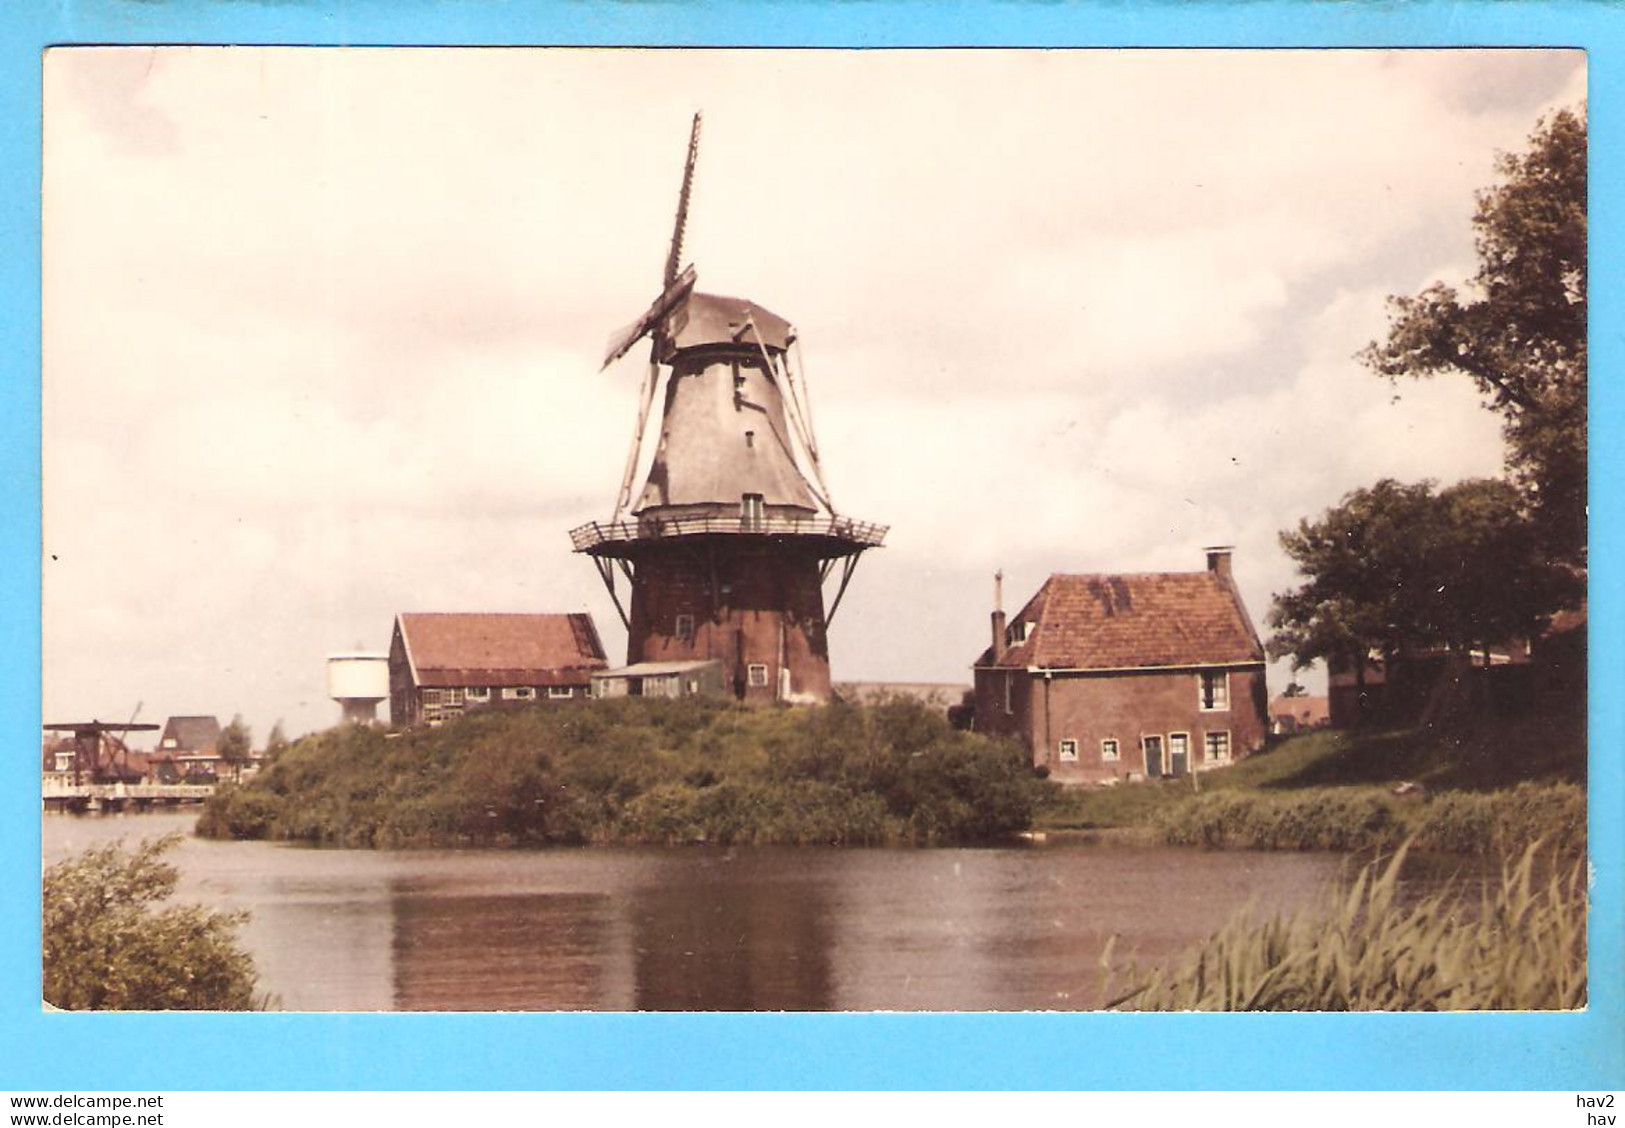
x,y
322,327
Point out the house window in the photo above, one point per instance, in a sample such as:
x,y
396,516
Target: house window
x,y
750,511
1016,633
685,628
477,693
1216,747
1214,692
559,692
518,693
1069,751
1109,749
758,675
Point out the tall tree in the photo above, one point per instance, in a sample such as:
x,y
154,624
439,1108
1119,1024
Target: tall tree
x,y
277,742
1518,330
235,745
1398,567
1363,591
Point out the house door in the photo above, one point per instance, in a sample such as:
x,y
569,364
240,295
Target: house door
x,y
1153,756
1179,754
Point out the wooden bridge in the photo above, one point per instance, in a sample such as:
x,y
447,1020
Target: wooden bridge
x,y
63,796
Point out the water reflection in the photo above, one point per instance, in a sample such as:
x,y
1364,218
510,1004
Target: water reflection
x,y
742,933
706,929
531,951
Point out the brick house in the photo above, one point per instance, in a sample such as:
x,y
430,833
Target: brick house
x,y
188,748
442,665
1106,678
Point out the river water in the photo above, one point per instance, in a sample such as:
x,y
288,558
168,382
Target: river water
x,y
697,928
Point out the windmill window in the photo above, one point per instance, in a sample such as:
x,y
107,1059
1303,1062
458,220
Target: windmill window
x,y
758,675
750,439
685,628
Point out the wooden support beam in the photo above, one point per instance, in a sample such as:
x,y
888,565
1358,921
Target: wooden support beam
x,y
606,572
849,564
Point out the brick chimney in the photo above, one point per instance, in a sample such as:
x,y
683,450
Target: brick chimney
x,y
1218,560
998,616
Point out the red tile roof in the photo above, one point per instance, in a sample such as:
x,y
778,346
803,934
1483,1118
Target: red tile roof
x,y
453,649
1116,622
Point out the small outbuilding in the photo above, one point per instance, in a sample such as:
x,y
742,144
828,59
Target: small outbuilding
x,y
662,679
1106,678
442,665
1299,712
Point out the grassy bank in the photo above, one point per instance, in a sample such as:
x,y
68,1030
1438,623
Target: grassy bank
x,y
636,771
1483,789
1517,945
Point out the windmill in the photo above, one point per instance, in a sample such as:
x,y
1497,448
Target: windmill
x,y
727,546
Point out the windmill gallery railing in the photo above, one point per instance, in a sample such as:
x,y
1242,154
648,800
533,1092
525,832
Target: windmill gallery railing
x,y
858,534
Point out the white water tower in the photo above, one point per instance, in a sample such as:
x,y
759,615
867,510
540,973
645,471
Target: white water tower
x,y
358,681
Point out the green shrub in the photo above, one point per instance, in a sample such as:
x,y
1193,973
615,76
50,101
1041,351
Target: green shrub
x,y
1519,945
107,947
1351,819
641,771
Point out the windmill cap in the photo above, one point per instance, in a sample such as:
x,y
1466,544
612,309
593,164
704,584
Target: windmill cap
x,y
711,319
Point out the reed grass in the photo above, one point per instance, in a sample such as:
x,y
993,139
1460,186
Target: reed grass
x,y
1520,944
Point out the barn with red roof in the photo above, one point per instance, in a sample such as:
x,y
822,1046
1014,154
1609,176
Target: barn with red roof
x,y
1106,678
442,665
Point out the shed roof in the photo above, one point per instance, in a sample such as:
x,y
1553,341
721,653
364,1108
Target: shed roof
x,y
655,669
453,648
1133,621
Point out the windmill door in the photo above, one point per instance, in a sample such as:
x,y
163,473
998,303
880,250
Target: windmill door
x,y
1153,756
1179,754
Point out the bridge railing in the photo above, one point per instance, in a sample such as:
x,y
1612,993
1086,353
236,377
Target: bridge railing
x,y
57,789
863,534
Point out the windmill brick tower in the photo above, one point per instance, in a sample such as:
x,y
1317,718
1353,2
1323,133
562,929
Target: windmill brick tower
x,y
733,535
